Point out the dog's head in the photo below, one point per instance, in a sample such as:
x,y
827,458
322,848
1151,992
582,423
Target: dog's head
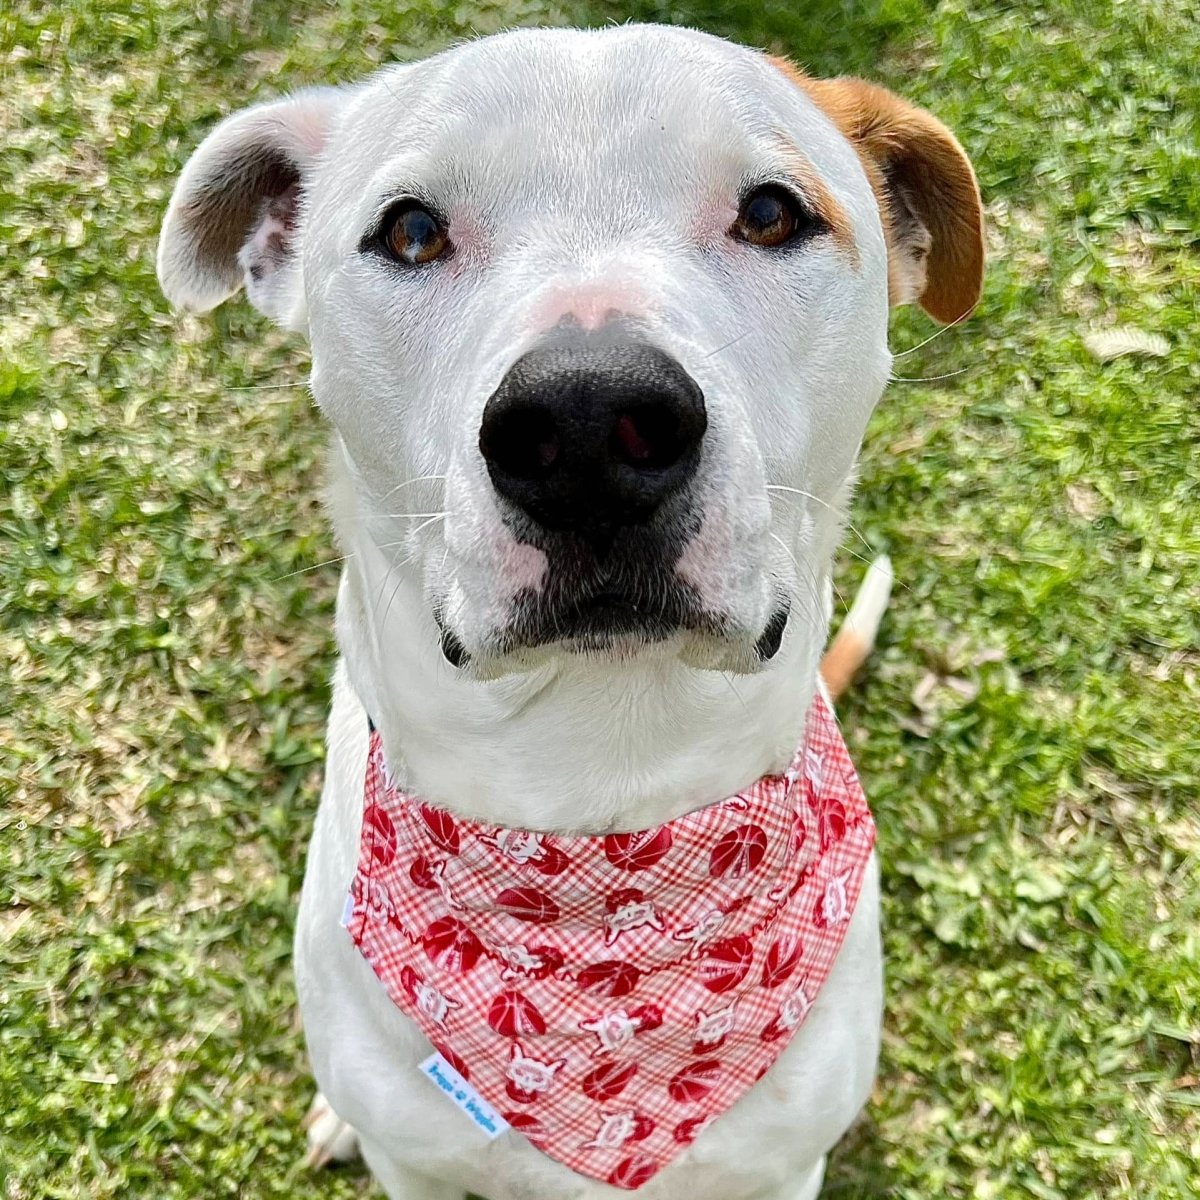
x,y
599,319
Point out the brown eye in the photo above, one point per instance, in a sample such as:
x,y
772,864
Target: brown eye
x,y
769,216
413,235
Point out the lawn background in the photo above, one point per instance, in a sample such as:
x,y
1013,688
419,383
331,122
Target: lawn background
x,y
1029,731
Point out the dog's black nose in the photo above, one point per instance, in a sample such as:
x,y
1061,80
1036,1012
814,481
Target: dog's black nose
x,y
586,438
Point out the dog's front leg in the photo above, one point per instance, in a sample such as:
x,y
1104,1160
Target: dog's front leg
x,y
330,1139
400,1183
809,1187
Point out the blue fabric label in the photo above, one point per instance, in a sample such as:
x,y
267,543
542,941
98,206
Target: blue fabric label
x,y
454,1087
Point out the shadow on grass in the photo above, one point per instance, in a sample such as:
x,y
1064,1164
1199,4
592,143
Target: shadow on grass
x,y
828,37
857,1167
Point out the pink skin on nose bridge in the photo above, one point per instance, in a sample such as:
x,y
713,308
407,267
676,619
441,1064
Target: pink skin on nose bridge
x,y
590,305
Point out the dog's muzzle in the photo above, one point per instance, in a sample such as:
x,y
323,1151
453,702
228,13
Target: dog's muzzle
x,y
591,442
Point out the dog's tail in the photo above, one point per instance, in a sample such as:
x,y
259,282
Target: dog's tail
x,y
856,637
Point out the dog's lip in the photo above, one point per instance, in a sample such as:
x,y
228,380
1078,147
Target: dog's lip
x,y
606,619
609,613
771,637
598,619
453,650
609,599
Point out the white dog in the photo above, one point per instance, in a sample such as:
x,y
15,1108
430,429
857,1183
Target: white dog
x,y
598,319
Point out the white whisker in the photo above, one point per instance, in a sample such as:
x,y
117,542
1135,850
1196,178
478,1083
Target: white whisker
x,y
408,482
779,487
412,533
937,333
393,516
729,683
926,378
862,558
382,585
807,577
731,342
268,387
395,592
399,516
407,540
315,567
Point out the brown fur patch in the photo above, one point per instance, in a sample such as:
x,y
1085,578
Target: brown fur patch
x,y
822,200
924,184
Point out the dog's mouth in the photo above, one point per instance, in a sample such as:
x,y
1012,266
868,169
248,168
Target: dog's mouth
x,y
606,618
615,605
611,621
598,621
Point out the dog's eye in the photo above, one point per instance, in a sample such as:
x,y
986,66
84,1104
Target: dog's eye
x,y
769,216
413,235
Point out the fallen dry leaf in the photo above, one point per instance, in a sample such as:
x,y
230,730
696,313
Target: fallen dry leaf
x,y
1085,501
1107,344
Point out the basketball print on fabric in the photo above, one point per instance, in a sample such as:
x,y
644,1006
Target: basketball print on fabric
x,y
611,996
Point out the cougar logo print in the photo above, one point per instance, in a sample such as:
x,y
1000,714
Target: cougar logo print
x,y
528,1076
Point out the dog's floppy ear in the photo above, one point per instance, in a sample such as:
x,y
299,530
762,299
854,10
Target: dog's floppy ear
x,y
928,196
234,215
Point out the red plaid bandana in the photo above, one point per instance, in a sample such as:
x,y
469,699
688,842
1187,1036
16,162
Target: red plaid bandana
x,y
608,996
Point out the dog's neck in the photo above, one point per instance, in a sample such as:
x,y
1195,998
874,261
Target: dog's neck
x,y
578,746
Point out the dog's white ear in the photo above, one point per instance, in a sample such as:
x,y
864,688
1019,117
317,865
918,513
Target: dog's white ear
x,y
927,192
234,217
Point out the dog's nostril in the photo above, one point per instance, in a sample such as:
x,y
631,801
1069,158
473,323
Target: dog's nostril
x,y
524,443
647,438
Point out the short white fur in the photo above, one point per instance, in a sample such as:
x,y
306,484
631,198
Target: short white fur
x,y
580,169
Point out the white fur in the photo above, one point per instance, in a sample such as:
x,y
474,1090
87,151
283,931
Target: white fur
x,y
584,171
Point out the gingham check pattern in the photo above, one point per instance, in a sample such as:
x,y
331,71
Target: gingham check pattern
x,y
610,995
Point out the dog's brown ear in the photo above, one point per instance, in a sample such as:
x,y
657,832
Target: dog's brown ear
x,y
928,196
234,215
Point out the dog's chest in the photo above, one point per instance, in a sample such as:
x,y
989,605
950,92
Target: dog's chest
x,y
366,1052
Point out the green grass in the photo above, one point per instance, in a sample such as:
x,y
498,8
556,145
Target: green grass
x,y
1029,733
